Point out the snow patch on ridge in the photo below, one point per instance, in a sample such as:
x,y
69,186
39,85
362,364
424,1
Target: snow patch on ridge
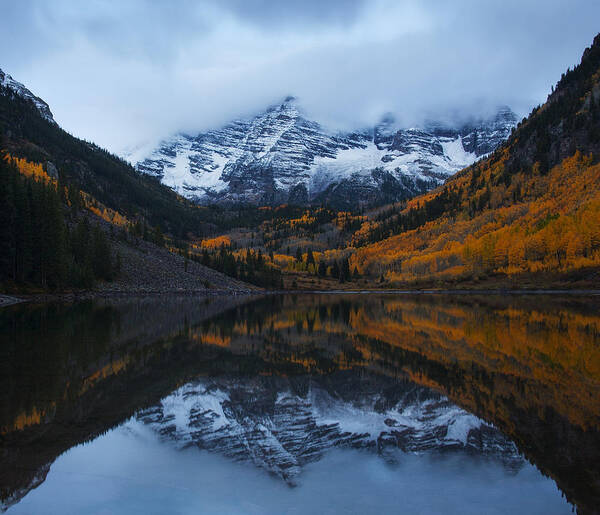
x,y
456,153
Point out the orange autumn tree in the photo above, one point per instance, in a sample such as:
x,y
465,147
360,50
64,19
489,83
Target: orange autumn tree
x,y
556,231
532,208
29,169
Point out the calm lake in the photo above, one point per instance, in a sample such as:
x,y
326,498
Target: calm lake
x,y
333,403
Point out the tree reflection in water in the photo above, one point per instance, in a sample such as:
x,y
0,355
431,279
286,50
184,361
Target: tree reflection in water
x,y
528,365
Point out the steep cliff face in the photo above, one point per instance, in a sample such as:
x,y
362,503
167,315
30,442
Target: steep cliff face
x,y
281,424
280,156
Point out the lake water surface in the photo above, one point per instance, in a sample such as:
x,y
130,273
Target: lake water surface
x,y
373,403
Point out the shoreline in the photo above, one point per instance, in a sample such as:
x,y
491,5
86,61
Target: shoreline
x,y
463,291
10,300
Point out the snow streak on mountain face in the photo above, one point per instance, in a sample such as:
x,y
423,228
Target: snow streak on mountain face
x,y
281,424
8,82
280,156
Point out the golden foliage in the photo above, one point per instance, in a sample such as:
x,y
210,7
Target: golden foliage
x,y
36,171
345,219
556,227
106,213
29,169
215,243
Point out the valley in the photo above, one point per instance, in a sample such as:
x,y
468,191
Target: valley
x,y
278,202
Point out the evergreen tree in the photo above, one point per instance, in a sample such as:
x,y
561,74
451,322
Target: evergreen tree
x,y
101,255
335,270
322,270
344,271
157,238
40,248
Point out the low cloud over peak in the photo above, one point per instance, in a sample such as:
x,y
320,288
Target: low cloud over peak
x,y
122,73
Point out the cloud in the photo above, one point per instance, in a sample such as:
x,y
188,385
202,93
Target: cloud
x,y
120,73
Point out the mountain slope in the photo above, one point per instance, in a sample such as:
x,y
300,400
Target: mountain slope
x,y
280,156
71,214
28,130
531,210
6,81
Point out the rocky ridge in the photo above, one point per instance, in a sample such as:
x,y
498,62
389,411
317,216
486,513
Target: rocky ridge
x,y
11,84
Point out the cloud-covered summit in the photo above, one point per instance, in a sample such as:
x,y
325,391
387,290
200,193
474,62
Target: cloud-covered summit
x,y
124,72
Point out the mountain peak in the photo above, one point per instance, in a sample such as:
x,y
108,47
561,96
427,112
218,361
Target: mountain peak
x,y
505,114
6,81
281,156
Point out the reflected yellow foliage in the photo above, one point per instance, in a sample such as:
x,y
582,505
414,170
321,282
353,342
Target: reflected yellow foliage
x,y
113,368
25,419
553,353
215,339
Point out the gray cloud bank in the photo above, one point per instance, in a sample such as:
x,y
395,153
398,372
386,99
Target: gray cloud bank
x,y
128,71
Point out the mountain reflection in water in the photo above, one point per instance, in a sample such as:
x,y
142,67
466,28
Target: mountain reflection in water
x,y
277,382
131,471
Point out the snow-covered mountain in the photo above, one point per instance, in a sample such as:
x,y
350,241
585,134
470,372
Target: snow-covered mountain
x,y
280,156
11,84
280,424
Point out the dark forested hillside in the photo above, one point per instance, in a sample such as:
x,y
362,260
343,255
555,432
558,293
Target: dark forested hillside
x,y
24,133
67,207
59,238
44,245
567,122
72,215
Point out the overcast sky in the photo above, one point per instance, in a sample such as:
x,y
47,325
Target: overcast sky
x,y
123,72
